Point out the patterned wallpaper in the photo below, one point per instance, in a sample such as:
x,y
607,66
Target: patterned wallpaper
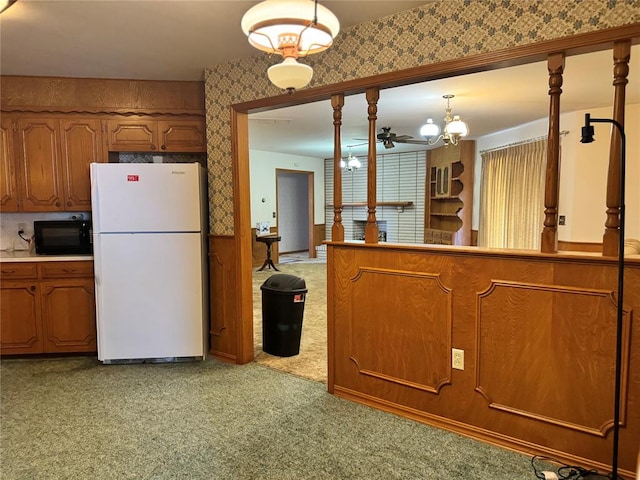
x,y
434,32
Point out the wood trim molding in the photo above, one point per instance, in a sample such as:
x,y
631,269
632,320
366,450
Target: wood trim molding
x,y
435,372
243,235
487,436
513,318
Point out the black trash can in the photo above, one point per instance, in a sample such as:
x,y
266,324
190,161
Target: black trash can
x,y
282,311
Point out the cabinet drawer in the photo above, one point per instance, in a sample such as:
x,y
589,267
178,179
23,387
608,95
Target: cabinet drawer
x,y
13,270
66,269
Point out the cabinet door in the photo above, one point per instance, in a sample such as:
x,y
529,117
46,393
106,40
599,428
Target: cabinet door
x,y
20,321
68,315
8,183
182,136
81,145
132,135
39,165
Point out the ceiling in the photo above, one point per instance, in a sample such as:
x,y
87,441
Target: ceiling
x,y
177,40
141,39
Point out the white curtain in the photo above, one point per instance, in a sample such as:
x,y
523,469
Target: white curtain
x,y
512,196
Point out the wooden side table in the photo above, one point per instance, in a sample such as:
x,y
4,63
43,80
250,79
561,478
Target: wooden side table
x,y
268,240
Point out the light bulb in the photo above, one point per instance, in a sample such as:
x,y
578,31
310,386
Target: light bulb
x,y
430,129
457,127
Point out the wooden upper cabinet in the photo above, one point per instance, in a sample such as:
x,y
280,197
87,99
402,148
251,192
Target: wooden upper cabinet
x,y
152,135
8,182
132,135
81,145
182,136
39,165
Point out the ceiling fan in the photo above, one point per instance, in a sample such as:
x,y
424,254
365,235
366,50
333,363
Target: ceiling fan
x,y
389,139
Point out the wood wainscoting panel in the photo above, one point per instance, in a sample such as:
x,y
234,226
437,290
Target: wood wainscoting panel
x,y
222,298
537,331
537,342
415,321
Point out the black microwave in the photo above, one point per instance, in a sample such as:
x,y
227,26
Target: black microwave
x,y
63,237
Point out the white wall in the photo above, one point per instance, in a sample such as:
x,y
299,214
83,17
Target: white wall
x,y
583,172
263,167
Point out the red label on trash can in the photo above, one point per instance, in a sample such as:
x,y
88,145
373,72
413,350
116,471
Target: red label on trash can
x,y
298,298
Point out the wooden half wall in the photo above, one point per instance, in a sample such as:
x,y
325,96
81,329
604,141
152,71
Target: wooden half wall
x,y
538,334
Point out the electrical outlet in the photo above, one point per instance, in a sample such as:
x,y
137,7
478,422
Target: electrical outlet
x,y
457,359
22,227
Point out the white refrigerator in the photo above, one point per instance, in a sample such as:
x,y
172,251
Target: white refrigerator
x,y
149,261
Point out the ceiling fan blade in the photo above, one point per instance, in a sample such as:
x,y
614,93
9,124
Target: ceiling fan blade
x,y
402,138
414,142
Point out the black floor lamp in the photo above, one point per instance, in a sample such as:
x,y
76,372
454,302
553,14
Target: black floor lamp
x,y
587,137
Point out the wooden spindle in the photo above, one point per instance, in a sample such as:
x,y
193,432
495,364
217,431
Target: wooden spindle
x,y
549,240
611,237
371,229
337,229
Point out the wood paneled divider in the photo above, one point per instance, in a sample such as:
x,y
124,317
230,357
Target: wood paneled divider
x,y
223,299
537,330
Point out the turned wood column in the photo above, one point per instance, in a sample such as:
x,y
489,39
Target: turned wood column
x,y
611,237
371,229
549,240
337,229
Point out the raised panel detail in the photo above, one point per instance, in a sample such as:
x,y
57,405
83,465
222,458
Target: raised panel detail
x,y
416,323
182,136
8,181
81,145
548,353
39,164
132,135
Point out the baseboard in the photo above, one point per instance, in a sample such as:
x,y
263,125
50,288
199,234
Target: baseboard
x,y
471,431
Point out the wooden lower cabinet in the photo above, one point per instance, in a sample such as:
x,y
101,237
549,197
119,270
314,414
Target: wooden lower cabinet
x,y
21,321
52,312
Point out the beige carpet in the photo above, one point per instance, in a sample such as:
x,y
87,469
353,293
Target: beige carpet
x,y
311,362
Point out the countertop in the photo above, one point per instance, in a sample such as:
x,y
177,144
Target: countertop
x,y
27,256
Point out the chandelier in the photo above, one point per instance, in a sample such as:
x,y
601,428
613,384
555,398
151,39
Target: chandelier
x,y
454,128
291,29
351,164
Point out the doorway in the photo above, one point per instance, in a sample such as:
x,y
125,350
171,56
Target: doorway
x,y
295,211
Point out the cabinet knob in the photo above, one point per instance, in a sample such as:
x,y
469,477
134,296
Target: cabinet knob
x,y
57,204
69,203
153,147
163,147
33,288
